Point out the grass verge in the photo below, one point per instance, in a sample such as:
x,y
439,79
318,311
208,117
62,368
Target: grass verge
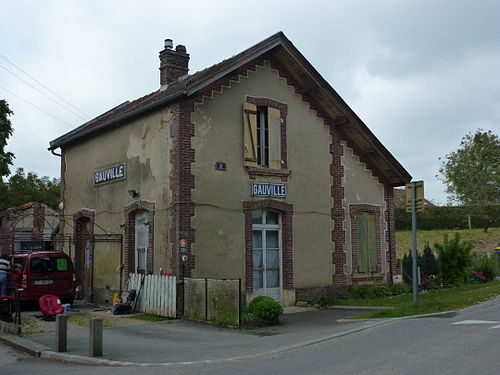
x,y
433,301
148,317
82,320
483,242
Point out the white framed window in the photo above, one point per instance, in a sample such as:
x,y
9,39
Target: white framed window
x,y
267,253
141,240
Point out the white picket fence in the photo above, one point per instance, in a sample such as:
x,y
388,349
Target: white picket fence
x,y
155,294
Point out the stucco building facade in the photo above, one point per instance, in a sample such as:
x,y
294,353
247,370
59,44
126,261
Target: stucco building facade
x,y
254,168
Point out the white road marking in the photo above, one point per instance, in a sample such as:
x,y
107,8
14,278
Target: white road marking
x,y
476,322
498,326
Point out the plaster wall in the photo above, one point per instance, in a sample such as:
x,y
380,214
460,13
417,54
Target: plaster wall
x,y
143,146
219,195
361,187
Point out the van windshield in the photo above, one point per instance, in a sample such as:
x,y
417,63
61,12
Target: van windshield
x,y
49,264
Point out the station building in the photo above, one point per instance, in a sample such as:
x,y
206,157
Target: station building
x,y
254,168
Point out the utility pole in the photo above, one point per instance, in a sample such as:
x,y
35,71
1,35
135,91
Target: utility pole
x,y
414,241
414,202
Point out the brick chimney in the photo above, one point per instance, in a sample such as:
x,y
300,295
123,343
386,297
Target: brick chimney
x,y
173,63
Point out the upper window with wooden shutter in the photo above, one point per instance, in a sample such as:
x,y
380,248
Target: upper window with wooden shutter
x,y
263,121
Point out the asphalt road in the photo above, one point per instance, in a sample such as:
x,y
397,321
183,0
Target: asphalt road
x,y
465,344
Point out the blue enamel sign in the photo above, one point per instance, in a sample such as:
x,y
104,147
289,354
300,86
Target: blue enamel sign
x,y
262,189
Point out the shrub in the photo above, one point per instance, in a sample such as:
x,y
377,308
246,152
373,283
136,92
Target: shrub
x,y
398,289
454,259
266,309
484,267
255,301
428,262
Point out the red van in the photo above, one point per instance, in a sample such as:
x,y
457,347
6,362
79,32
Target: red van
x,y
43,272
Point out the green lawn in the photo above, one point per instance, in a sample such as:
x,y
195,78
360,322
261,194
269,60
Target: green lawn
x,y
430,302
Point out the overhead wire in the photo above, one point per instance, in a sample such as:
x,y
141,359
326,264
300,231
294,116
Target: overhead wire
x,y
35,106
44,86
41,92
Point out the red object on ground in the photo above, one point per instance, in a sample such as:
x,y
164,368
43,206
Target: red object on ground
x,y
50,305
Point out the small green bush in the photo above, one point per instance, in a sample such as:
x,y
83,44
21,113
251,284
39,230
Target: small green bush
x,y
266,309
454,259
398,289
255,301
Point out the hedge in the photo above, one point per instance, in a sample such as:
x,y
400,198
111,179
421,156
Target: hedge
x,y
448,217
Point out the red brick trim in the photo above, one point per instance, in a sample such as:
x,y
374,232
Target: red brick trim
x,y
287,212
390,233
129,213
354,210
182,156
339,256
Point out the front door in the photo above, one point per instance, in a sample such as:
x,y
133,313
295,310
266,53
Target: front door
x,y
83,258
266,236
141,241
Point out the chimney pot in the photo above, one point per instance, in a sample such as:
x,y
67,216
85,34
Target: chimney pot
x,y
180,48
173,63
169,43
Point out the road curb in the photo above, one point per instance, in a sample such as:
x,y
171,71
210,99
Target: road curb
x,y
23,344
45,352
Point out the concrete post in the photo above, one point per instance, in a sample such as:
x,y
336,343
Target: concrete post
x,y
61,333
95,337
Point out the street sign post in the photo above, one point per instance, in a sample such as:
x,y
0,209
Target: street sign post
x,y
415,196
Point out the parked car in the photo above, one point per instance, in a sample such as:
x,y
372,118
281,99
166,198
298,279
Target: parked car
x,y
43,272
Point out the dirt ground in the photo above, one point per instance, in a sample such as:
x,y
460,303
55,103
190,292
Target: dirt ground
x,y
78,317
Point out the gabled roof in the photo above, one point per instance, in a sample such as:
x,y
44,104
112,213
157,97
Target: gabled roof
x,y
284,53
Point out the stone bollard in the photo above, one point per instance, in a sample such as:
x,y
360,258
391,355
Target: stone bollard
x,y
61,333
95,337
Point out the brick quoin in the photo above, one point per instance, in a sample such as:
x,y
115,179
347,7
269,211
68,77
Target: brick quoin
x,y
390,233
182,156
339,256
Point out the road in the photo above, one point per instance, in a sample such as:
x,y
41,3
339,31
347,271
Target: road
x,y
465,344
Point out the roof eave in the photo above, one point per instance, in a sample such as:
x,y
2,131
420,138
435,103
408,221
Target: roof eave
x,y
69,137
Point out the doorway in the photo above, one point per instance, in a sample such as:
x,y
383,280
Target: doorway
x,y
84,258
266,253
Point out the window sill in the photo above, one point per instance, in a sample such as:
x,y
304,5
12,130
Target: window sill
x,y
253,172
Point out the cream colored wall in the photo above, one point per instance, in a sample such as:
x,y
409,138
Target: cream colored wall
x,y
361,187
143,145
219,195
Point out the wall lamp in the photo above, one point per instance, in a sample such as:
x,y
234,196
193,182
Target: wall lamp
x,y
134,193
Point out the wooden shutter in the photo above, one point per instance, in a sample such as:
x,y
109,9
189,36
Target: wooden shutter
x,y
274,137
250,134
362,242
371,243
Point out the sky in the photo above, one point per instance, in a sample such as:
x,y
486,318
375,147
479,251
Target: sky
x,y
421,74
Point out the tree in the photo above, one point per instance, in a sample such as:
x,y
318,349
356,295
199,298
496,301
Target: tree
x,y
5,132
23,188
472,172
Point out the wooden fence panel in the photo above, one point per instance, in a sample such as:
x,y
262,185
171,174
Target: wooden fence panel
x,y
156,294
